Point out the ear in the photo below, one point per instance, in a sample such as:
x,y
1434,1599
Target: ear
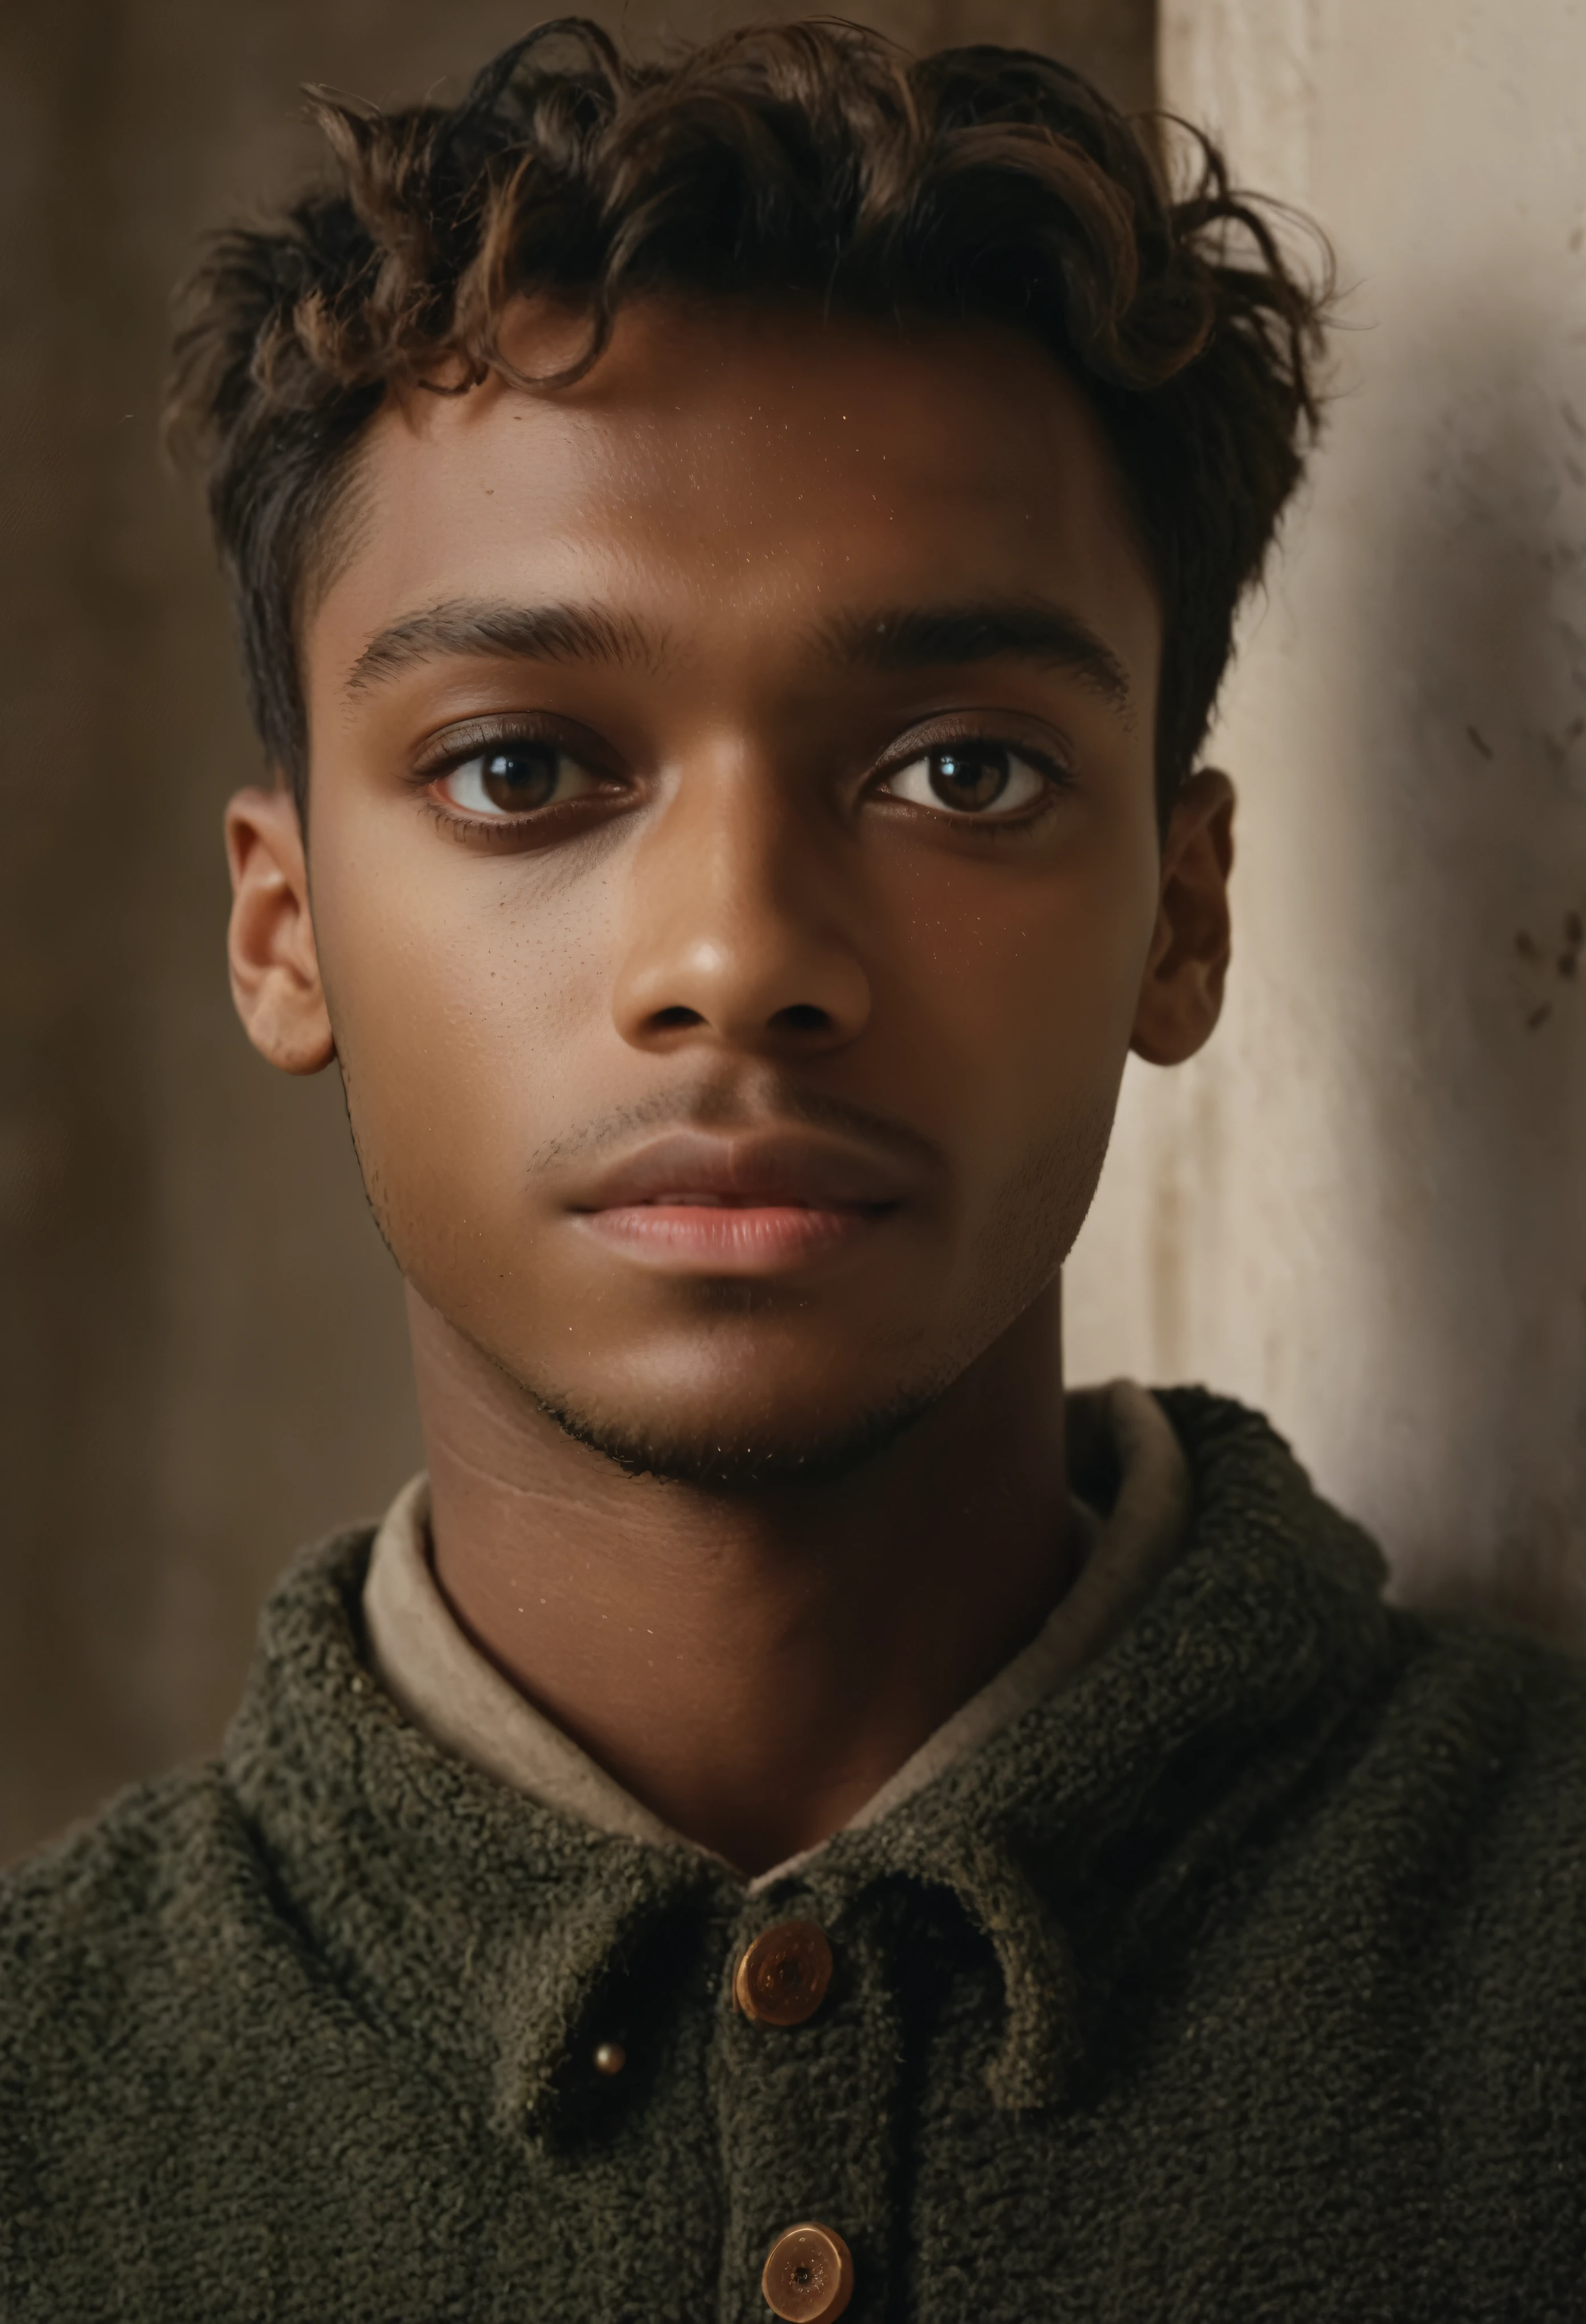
x,y
1181,994
274,966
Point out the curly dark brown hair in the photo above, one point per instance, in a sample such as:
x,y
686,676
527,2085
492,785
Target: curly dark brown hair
x,y
795,161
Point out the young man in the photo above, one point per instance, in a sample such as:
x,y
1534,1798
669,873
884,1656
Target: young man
x,y
734,565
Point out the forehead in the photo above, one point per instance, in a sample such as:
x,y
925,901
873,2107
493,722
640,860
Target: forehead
x,y
744,468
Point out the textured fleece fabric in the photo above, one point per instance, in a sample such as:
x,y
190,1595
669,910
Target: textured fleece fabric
x,y
1244,1978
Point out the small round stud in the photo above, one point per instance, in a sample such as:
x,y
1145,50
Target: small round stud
x,y
610,2057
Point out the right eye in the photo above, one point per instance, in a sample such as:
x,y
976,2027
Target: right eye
x,y
514,779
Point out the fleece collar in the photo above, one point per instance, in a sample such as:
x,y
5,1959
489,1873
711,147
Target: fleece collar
x,y
478,1925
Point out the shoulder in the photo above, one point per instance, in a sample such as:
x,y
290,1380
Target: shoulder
x,y
149,1969
1410,1784
126,1921
154,1922
1443,1703
1486,1729
1434,1857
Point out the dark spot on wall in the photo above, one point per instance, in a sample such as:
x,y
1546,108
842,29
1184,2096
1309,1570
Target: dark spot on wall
x,y
1559,746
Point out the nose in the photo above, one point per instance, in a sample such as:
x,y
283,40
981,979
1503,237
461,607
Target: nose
x,y
737,928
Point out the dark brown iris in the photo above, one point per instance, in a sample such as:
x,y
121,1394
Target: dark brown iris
x,y
521,777
970,775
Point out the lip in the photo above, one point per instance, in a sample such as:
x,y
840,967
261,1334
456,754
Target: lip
x,y
772,1167
768,1201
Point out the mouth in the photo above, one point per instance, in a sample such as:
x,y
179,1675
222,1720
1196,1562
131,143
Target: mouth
x,y
758,1203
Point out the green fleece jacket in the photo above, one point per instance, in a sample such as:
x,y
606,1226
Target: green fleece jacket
x,y
1245,1978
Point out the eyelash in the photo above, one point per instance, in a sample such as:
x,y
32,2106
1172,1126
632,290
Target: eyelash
x,y
1056,776
478,741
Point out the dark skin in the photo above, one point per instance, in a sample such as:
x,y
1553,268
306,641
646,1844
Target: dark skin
x,y
736,887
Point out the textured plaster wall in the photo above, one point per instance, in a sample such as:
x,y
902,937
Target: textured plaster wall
x,y
1364,1208
202,1357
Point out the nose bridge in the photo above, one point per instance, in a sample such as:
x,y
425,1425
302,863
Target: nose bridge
x,y
735,923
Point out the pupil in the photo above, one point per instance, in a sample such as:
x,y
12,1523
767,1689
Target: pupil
x,y
973,776
523,777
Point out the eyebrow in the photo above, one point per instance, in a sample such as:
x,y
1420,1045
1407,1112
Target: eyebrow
x,y
502,631
942,637
898,638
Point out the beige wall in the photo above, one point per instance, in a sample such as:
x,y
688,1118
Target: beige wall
x,y
201,1353
1366,1208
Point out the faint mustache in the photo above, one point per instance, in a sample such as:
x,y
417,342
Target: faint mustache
x,y
734,1108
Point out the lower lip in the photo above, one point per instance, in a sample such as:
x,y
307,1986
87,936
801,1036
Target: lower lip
x,y
722,1238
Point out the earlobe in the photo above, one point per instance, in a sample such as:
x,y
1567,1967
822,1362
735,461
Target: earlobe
x,y
274,964
1181,993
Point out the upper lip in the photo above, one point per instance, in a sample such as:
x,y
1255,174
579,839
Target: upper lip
x,y
773,1165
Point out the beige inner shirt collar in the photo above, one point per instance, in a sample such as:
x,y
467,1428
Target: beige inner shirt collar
x,y
447,1688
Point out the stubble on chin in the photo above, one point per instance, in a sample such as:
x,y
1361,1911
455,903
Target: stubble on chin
x,y
749,1461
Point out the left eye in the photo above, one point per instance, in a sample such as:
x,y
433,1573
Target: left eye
x,y
968,778
515,779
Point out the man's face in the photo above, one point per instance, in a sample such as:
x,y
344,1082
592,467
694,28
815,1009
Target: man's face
x,y
734,863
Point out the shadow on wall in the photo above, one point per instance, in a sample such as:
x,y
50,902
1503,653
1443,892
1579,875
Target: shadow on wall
x,y
1363,1209
1474,913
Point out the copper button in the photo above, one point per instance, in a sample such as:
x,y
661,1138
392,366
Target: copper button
x,y
783,1978
808,2278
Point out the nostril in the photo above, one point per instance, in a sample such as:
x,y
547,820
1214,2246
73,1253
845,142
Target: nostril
x,y
802,1016
666,1020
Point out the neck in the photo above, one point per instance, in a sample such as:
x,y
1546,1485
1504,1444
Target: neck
x,y
753,1665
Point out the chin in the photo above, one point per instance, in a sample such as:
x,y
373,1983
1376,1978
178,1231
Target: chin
x,y
736,1455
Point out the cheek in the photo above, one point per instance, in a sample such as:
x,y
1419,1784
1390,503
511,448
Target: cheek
x,y
1065,999
463,994
1030,994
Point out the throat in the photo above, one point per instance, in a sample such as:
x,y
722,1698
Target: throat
x,y
752,1660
